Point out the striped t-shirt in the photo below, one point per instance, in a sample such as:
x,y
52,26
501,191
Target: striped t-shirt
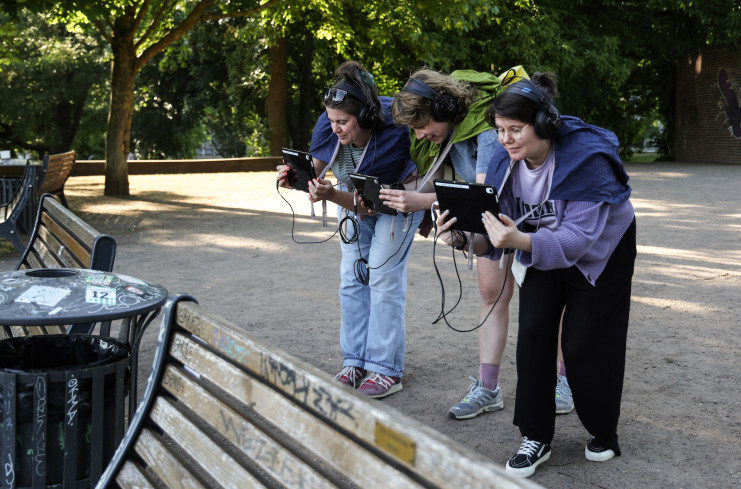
x,y
347,160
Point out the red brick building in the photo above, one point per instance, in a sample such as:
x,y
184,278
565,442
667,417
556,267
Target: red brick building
x,y
708,115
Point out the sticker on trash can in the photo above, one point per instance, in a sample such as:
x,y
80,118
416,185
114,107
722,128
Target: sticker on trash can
x,y
99,279
42,295
100,295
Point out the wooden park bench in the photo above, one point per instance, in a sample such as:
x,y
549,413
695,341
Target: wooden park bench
x,y
223,409
61,239
55,171
11,212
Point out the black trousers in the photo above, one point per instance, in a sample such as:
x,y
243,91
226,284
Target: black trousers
x,y
593,340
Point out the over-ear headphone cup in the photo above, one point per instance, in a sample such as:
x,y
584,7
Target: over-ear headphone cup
x,y
546,122
366,117
444,108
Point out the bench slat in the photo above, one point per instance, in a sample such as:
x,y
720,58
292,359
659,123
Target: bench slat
x,y
163,463
321,439
132,476
65,245
213,459
71,221
244,435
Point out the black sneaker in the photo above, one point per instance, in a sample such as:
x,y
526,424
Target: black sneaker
x,y
596,453
531,454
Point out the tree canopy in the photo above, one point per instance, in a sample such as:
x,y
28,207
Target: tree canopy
x,y
245,75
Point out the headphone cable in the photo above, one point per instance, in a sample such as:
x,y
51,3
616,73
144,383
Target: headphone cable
x,y
293,222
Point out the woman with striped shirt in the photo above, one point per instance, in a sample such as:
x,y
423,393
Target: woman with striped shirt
x,y
357,134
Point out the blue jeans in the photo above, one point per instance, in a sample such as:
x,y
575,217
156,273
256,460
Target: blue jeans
x,y
372,332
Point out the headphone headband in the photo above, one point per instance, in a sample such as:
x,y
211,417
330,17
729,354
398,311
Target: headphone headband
x,y
530,91
444,106
350,88
369,113
547,119
418,87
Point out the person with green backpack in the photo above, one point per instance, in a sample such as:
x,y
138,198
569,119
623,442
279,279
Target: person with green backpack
x,y
446,115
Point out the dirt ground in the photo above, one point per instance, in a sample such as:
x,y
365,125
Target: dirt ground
x,y
226,239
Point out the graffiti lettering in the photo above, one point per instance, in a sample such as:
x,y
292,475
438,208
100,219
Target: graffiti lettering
x,y
174,383
72,401
230,347
9,472
40,426
299,386
290,471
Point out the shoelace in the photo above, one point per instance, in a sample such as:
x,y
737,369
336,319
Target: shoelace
x,y
351,372
528,447
474,390
382,380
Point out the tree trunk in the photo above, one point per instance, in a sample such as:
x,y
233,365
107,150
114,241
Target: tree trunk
x,y
308,96
121,112
276,103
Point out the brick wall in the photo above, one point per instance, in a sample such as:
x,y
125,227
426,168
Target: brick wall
x,y
708,116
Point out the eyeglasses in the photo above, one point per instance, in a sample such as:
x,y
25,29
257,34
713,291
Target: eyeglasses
x,y
515,133
333,95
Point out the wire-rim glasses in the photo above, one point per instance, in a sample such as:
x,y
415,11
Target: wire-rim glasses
x,y
515,133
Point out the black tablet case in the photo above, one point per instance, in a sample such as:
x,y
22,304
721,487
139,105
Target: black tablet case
x,y
369,187
467,201
303,166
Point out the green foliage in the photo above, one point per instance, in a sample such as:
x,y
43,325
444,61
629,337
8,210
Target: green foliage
x,y
616,62
48,73
206,88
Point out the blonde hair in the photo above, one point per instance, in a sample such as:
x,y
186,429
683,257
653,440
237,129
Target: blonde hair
x,y
414,110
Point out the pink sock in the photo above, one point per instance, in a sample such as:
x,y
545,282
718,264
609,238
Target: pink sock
x,y
562,369
489,375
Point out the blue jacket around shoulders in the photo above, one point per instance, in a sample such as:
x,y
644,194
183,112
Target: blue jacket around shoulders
x,y
387,156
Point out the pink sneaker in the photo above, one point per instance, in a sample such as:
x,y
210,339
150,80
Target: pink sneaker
x,y
351,376
377,385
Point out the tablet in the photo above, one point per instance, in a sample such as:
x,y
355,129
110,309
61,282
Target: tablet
x,y
303,168
369,187
466,202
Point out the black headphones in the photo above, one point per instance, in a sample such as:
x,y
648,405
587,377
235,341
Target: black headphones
x,y
444,106
369,113
547,120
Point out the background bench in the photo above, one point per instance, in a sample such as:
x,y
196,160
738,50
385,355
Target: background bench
x,y
10,213
54,173
61,239
222,409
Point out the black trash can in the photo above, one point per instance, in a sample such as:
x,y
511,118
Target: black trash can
x,y
62,408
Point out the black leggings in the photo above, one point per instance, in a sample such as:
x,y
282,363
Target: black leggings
x,y
595,328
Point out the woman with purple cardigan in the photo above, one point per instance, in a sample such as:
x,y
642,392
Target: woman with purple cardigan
x,y
565,210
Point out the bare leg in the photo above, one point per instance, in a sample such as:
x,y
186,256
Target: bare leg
x,y
493,333
483,395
